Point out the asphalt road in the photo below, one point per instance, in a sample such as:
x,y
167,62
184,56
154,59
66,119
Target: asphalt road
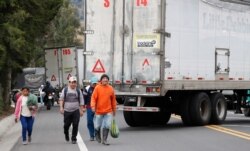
x,y
233,135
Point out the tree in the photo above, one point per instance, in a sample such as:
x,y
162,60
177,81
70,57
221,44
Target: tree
x,y
22,25
65,29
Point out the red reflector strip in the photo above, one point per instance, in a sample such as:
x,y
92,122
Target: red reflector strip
x,y
137,109
155,110
128,108
231,78
170,78
129,81
143,81
187,78
221,78
117,82
240,78
141,109
200,78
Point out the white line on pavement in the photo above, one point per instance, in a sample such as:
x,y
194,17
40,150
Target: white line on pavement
x,y
80,143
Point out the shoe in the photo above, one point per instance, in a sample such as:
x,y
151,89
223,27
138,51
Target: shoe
x,y
92,139
73,142
67,138
29,139
25,143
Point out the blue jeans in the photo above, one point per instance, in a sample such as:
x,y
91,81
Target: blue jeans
x,y
41,99
27,125
90,122
103,121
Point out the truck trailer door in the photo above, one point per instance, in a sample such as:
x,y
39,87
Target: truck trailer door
x,y
98,54
121,40
60,64
146,21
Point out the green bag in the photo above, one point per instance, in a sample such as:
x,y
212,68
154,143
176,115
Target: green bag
x,y
114,129
32,102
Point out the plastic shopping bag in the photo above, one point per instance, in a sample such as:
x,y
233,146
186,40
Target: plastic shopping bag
x,y
114,129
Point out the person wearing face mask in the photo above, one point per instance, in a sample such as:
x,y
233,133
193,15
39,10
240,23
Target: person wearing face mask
x,y
103,104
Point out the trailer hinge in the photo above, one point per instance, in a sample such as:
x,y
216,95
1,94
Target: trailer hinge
x,y
88,32
162,31
88,53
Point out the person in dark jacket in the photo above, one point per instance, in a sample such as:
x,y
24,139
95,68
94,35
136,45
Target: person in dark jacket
x,y
47,89
90,114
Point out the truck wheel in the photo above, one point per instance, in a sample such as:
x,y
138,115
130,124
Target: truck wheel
x,y
128,115
185,113
160,118
200,109
219,108
246,112
142,118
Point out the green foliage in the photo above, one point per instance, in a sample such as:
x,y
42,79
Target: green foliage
x,y
22,26
65,29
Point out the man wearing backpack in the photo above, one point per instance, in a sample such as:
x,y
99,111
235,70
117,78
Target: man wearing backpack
x,y
72,107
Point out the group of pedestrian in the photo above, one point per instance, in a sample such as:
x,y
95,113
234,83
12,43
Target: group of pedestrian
x,y
98,99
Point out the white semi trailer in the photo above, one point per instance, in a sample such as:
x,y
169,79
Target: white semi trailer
x,y
61,63
170,56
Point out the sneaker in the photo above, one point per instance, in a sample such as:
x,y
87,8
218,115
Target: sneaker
x,y
25,142
92,139
73,142
67,138
29,139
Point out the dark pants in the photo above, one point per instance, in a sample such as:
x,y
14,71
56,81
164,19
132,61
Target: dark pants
x,y
90,122
27,124
71,118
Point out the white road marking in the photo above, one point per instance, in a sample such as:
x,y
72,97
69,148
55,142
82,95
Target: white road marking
x,y
80,143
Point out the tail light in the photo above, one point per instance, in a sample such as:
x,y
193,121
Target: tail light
x,y
153,89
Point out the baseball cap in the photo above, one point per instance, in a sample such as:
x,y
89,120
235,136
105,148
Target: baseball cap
x,y
73,78
93,80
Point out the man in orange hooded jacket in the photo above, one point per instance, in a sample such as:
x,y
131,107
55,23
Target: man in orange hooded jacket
x,y
103,103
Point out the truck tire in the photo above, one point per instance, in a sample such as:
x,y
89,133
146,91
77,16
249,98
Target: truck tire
x,y
200,109
142,118
135,119
185,113
160,118
219,108
246,112
128,115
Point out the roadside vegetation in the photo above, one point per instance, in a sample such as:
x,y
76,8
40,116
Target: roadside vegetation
x,y
27,27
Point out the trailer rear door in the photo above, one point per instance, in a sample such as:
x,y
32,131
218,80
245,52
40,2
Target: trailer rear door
x,y
146,21
121,40
60,64
99,38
